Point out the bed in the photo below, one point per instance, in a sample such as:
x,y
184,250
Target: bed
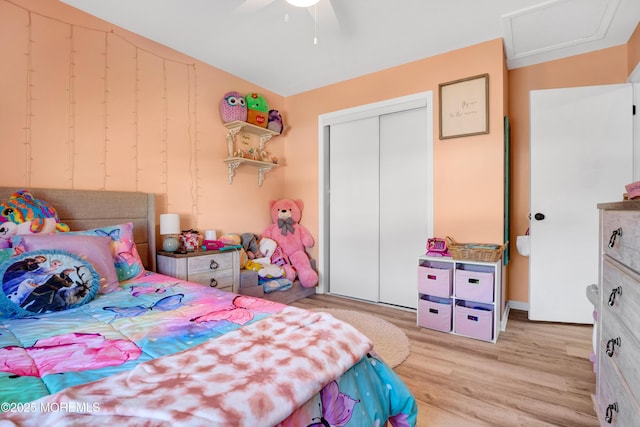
x,y
154,350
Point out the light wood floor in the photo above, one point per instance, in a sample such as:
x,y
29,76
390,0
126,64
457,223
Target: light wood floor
x,y
537,374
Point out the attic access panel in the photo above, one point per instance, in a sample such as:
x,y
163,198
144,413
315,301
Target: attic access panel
x,y
555,25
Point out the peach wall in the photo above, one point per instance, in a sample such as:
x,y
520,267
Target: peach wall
x,y
124,113
468,188
607,66
633,50
88,105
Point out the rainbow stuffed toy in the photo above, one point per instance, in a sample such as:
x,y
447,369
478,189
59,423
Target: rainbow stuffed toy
x,y
24,214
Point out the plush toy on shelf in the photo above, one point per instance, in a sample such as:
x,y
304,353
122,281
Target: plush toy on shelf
x,y
275,122
257,109
293,238
24,214
233,107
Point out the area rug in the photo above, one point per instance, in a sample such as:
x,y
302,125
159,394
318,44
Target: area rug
x,y
389,341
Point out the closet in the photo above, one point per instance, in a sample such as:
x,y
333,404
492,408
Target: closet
x,y
378,198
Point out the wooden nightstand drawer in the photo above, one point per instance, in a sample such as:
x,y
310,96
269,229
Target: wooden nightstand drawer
x,y
208,263
216,279
220,270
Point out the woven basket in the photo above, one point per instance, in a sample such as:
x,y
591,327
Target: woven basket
x,y
484,252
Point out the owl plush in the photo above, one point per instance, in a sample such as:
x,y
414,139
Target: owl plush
x,y
233,107
274,121
257,109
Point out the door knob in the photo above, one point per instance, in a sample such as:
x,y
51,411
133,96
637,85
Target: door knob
x,y
539,216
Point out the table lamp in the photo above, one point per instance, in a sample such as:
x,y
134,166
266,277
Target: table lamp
x,y
170,226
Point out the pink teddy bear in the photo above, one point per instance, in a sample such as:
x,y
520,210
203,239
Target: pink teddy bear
x,y
293,238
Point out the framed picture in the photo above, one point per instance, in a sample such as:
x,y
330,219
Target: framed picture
x,y
464,107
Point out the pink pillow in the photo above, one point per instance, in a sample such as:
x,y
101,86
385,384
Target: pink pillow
x,y
95,249
123,249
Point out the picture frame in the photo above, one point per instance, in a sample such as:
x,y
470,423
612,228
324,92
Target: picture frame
x,y
464,107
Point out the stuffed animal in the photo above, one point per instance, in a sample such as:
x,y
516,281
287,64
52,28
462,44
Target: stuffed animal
x,y
257,109
293,238
274,122
233,107
24,214
250,245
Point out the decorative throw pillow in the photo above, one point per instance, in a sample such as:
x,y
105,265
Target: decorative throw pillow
x,y
95,249
44,281
123,249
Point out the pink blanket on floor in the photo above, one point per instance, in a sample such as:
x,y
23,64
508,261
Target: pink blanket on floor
x,y
253,376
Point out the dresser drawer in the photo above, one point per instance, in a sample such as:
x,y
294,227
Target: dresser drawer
x,y
208,263
615,406
621,237
218,279
620,346
621,293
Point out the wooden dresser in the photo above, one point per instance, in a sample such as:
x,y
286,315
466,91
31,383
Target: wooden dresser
x,y
617,399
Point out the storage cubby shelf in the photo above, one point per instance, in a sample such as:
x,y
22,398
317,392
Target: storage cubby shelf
x,y
461,297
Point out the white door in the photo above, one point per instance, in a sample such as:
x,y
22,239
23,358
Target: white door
x,y
581,155
354,206
404,207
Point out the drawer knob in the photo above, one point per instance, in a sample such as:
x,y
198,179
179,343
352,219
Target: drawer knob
x,y
612,296
213,265
611,346
609,413
614,234
213,282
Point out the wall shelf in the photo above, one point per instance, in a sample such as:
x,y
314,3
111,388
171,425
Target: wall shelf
x,y
237,126
263,167
234,161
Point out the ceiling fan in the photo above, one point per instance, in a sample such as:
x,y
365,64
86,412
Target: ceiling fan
x,y
322,11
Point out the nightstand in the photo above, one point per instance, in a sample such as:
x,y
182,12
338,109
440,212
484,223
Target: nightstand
x,y
217,269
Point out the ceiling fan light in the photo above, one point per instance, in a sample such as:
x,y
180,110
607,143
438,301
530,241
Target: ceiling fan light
x,y
302,3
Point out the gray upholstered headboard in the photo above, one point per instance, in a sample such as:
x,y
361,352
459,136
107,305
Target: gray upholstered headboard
x,y
85,209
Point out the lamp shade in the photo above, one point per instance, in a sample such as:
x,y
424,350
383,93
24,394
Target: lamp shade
x,y
169,224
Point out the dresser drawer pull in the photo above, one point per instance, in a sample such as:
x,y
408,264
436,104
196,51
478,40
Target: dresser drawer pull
x,y
612,239
213,282
609,414
611,346
213,265
612,296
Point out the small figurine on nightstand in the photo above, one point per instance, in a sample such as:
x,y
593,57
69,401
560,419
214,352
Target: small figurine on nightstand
x,y
190,240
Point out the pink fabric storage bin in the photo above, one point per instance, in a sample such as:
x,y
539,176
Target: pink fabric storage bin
x,y
474,285
474,320
435,279
435,313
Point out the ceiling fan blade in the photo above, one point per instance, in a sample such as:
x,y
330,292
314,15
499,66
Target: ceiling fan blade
x,y
250,6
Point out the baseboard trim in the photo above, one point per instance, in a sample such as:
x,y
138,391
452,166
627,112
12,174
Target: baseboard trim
x,y
516,305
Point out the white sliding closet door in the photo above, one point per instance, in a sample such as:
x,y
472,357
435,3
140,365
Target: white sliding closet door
x,y
354,207
379,204
404,207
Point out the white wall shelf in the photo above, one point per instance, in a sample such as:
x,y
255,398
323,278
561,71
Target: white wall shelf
x,y
263,167
234,160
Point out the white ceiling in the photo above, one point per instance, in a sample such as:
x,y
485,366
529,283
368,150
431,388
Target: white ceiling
x,y
271,43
